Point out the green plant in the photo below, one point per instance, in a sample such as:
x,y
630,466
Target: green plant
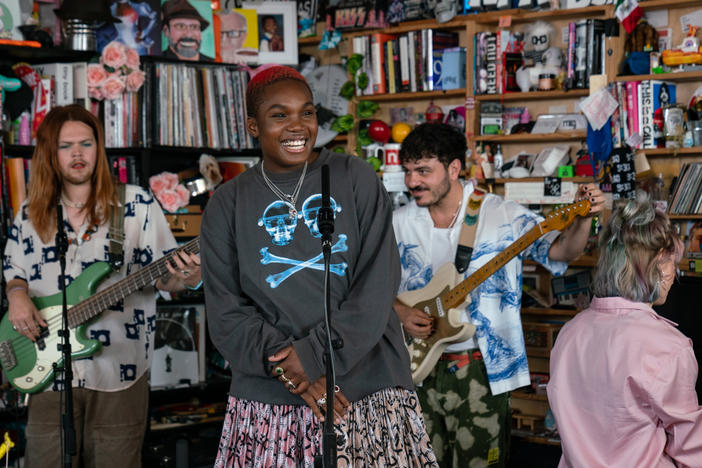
x,y
364,109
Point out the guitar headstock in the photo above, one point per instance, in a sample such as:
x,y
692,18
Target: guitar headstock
x,y
560,219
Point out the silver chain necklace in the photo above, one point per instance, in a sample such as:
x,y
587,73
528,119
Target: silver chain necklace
x,y
290,200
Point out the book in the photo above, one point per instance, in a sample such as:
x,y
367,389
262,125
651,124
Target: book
x,y
62,75
378,41
646,114
453,68
16,183
581,54
437,40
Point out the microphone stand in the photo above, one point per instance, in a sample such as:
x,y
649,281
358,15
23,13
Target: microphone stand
x,y
325,222
67,423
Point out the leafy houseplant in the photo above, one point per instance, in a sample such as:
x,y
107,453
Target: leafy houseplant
x,y
364,109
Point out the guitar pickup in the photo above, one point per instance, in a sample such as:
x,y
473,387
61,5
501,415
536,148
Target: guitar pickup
x,y
43,333
8,360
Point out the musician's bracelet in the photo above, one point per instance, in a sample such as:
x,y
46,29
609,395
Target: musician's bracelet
x,y
15,288
194,288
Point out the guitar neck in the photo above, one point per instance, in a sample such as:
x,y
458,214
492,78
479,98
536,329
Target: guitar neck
x,y
457,295
111,295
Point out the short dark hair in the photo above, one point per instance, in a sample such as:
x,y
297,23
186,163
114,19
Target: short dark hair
x,y
434,140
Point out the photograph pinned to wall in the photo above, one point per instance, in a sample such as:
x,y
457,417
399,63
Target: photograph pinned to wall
x,y
187,31
238,36
232,166
277,32
10,19
139,27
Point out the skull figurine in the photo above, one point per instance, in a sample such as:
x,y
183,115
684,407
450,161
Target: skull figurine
x,y
444,10
278,222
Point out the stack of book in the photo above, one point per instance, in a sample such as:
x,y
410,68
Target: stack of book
x,y
686,195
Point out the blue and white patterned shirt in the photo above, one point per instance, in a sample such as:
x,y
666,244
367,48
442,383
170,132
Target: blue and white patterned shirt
x,y
495,304
126,329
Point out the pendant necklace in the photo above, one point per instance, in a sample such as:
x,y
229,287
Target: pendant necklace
x,y
288,199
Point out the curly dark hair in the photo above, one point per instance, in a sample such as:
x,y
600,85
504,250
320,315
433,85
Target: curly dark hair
x,y
434,140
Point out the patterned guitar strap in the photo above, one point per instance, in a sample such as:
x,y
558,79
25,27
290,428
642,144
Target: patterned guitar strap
x,y
116,231
468,229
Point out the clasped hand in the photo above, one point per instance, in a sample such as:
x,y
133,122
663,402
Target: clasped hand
x,y
289,371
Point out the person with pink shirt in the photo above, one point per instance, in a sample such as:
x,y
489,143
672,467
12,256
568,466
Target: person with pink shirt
x,y
622,386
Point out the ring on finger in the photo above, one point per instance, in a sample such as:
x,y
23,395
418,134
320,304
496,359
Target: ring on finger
x,y
291,384
322,401
25,328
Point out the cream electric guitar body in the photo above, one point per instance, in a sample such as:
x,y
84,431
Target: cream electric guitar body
x,y
447,293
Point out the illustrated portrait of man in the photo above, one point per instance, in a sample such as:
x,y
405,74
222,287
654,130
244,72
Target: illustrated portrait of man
x,y
183,26
233,34
137,26
271,39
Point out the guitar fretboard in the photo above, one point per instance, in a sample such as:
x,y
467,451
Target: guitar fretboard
x,y
556,221
97,303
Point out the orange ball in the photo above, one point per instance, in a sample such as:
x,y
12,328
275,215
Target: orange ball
x,y
400,131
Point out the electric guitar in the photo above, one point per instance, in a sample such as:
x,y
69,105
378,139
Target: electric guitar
x,y
29,365
443,297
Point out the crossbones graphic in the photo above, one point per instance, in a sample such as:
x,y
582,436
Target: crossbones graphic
x,y
275,280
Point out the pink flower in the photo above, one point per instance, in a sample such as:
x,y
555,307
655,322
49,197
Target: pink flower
x,y
169,200
114,55
134,80
95,93
113,87
95,75
183,194
163,181
132,59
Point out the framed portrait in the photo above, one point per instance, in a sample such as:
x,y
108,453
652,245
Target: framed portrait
x,y
187,32
238,36
277,32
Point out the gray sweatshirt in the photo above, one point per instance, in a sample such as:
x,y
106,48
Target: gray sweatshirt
x,y
264,280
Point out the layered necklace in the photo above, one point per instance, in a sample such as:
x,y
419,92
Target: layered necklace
x,y
288,199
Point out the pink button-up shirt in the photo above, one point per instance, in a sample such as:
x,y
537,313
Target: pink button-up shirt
x,y
622,389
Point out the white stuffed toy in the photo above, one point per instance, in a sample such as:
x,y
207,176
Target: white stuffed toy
x,y
539,57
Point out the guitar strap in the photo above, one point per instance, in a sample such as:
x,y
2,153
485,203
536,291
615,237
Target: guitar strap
x,y
468,229
116,231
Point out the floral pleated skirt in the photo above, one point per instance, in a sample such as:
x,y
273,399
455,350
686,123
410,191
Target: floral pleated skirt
x,y
384,429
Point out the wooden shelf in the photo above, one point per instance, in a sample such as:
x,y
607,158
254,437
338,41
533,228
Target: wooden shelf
x,y
526,16
414,96
533,95
577,180
522,395
667,4
458,22
302,41
695,150
532,137
548,311
677,76
685,216
536,439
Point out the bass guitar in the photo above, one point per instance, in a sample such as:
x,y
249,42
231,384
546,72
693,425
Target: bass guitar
x,y
445,295
29,365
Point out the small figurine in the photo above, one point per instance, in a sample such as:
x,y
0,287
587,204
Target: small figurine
x,y
540,58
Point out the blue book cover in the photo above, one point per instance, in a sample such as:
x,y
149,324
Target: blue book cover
x,y
453,68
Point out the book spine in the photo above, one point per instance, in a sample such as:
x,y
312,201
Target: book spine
x,y
647,114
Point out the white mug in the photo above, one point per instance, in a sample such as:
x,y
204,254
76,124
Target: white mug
x,y
392,157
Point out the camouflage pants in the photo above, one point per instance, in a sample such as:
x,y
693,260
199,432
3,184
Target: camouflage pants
x,y
467,425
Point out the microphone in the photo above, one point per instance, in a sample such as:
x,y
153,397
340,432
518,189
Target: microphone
x,y
325,215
